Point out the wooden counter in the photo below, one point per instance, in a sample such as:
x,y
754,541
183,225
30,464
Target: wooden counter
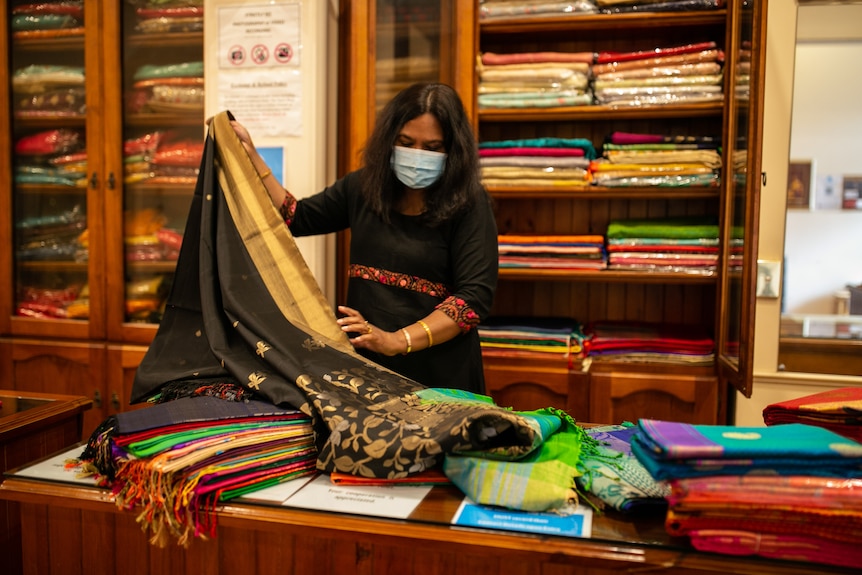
x,y
32,426
70,529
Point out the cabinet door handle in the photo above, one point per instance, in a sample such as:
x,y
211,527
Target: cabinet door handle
x,y
762,178
97,399
94,181
115,401
111,181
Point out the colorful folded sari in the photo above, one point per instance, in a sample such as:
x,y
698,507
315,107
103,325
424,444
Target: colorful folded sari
x,y
173,462
680,450
839,410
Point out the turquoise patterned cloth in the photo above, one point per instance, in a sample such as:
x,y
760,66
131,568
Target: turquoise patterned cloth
x,y
616,477
674,450
543,480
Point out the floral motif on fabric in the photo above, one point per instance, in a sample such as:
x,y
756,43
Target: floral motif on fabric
x,y
288,209
379,427
399,280
460,312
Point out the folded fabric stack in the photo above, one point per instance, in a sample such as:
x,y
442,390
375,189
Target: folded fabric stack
x,y
41,90
684,244
52,158
686,74
536,162
657,160
537,337
633,342
615,478
534,79
158,17
630,6
147,238
790,492
162,157
839,410
743,72
48,19
170,88
552,252
494,9
177,460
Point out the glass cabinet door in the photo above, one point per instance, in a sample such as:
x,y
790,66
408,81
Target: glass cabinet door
x,y
53,168
736,341
154,157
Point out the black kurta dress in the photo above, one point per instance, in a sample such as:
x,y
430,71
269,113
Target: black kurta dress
x,y
402,270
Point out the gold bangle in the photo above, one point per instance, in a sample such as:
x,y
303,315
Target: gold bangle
x,y
407,339
264,175
427,331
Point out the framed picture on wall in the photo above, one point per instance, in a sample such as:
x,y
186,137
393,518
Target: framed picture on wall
x,y
800,174
852,193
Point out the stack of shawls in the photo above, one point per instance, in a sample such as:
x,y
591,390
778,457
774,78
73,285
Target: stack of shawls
x,y
552,252
172,88
632,342
177,460
615,477
500,9
542,480
657,160
790,491
839,410
685,244
536,162
534,79
673,75
640,6
538,337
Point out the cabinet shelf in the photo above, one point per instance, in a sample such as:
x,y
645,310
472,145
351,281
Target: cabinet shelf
x,y
602,192
160,267
50,122
70,43
601,22
49,189
609,276
54,266
166,40
162,120
147,188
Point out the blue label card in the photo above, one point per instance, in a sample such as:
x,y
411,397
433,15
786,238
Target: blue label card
x,y
577,522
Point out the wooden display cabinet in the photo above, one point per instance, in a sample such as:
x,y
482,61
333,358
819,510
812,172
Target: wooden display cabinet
x,y
721,303
60,311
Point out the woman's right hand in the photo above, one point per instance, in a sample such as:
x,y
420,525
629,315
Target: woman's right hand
x,y
243,135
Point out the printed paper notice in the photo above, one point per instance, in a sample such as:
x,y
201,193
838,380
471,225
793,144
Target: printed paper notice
x,y
257,36
576,523
267,102
55,469
277,494
396,502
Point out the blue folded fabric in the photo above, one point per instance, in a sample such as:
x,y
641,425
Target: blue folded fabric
x,y
673,450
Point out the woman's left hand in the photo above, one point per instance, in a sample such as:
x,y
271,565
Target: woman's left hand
x,y
370,337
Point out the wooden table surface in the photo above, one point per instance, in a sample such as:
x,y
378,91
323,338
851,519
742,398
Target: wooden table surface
x,y
71,520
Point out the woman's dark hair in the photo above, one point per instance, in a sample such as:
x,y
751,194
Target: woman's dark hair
x,y
458,188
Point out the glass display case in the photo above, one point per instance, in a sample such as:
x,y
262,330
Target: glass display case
x,y
52,172
162,97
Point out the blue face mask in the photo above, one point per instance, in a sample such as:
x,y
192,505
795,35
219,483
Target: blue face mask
x,y
416,168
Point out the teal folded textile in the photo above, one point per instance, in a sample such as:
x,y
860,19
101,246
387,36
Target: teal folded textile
x,y
672,450
543,480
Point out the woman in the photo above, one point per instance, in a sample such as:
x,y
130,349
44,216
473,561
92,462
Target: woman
x,y
423,248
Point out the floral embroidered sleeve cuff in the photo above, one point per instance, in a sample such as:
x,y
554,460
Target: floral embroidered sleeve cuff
x,y
460,312
288,208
